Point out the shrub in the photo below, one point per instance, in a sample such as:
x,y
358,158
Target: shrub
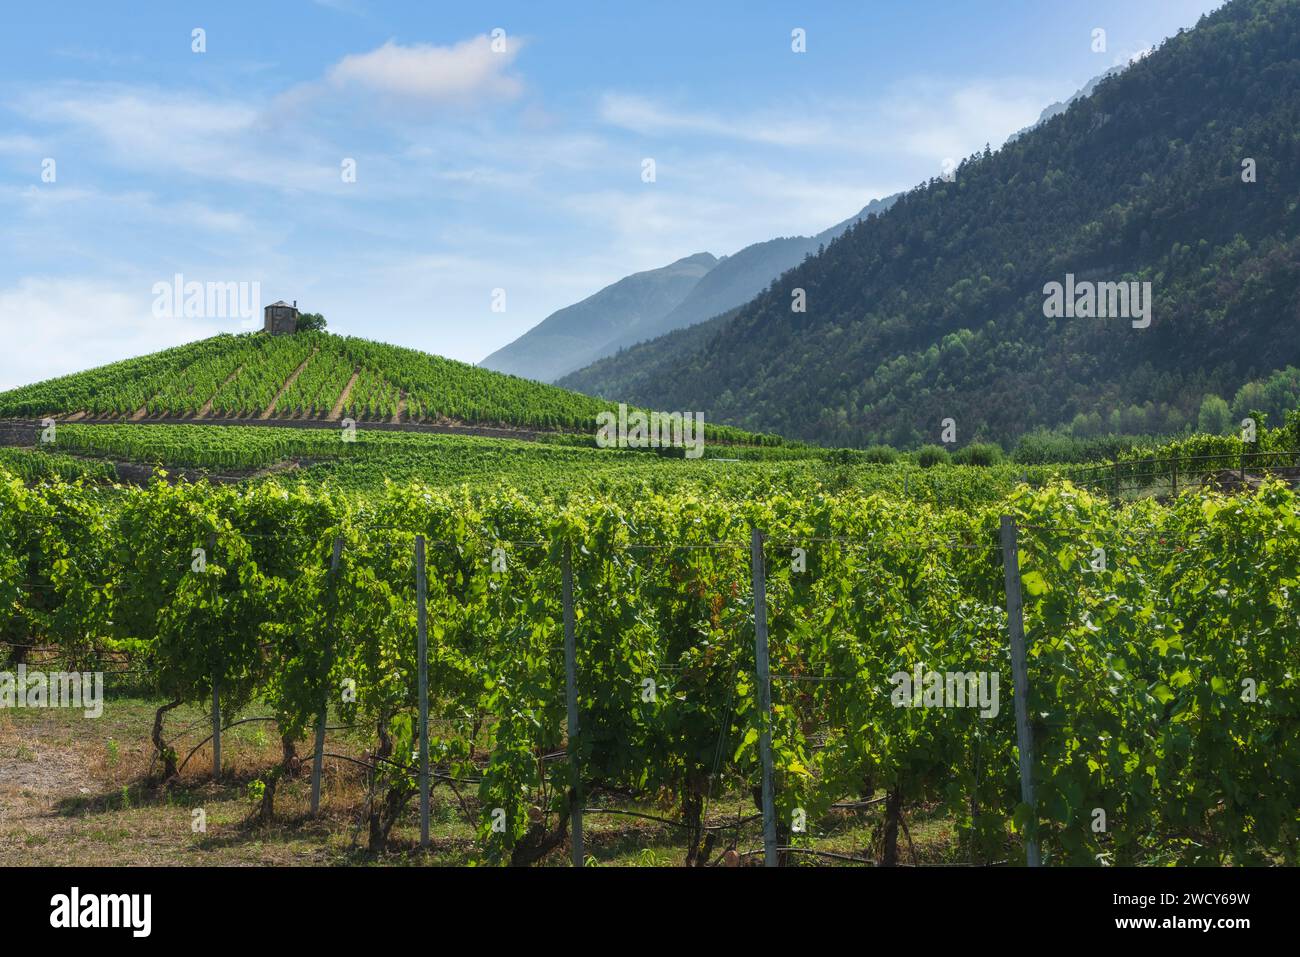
x,y
844,457
979,453
1214,417
880,455
1043,448
931,455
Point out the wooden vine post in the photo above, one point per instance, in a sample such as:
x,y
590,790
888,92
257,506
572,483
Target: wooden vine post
x,y
571,704
422,651
318,755
771,856
1020,679
216,681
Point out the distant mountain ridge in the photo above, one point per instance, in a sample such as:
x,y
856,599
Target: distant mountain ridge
x,y
737,279
576,335
648,304
1059,107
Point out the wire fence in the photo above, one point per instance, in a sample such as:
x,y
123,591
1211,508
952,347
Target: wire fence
x,y
1172,474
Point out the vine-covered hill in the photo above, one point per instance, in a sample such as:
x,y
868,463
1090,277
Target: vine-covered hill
x,y
935,308
313,376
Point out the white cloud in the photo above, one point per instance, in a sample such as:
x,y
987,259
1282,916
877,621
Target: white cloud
x,y
70,324
140,120
135,205
931,118
19,143
721,201
643,115
277,142
36,198
154,130
341,6
466,72
934,120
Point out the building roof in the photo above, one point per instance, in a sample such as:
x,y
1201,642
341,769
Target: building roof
x,y
281,303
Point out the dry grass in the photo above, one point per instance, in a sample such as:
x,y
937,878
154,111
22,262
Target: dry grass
x,y
82,791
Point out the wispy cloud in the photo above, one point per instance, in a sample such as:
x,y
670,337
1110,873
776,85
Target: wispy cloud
x,y
931,117
19,145
935,119
70,323
147,129
641,114
353,7
281,142
718,203
462,73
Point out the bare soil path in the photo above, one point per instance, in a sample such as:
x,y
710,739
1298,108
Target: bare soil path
x,y
207,406
343,399
288,384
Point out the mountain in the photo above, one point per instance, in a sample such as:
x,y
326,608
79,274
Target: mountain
x,y
753,267
737,279
638,308
733,281
1183,172
1059,107
578,334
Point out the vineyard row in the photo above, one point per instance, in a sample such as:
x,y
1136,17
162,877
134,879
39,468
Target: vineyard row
x,y
1161,651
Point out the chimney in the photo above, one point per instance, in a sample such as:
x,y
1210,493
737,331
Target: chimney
x,y
295,304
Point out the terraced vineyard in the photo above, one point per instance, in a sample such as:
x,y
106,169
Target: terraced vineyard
x,y
557,467
118,389
32,466
253,390
306,377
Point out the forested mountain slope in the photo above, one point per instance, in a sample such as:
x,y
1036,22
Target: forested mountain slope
x,y
936,308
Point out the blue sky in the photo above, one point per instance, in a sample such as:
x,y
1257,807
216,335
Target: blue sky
x,y
476,169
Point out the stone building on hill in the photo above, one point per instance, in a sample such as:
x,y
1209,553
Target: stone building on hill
x,y
281,318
